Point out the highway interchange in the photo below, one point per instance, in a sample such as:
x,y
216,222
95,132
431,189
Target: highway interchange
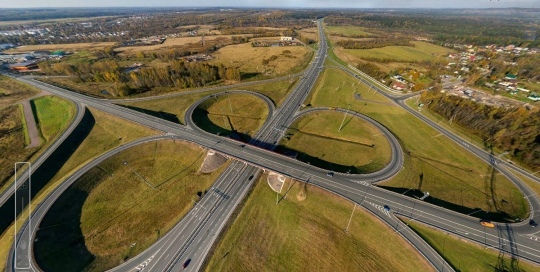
x,y
194,235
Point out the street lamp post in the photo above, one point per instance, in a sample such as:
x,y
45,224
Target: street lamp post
x,y
342,122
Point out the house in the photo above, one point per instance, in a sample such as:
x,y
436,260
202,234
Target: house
x,y
523,90
398,86
510,76
23,66
286,38
534,97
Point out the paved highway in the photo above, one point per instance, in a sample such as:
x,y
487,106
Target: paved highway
x,y
194,235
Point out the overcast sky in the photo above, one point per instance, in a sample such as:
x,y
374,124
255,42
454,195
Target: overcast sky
x,y
278,3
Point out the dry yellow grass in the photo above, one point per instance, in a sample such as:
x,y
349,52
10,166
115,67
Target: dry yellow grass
x,y
171,43
305,233
108,132
310,33
249,59
202,29
76,47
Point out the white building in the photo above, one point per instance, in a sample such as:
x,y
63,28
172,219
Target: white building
x,y
286,38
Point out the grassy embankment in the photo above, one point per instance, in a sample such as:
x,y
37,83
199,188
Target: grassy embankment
x,y
305,232
174,108
113,208
13,91
51,114
242,114
454,178
97,133
467,256
14,139
357,148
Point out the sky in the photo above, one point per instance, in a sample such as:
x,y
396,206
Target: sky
x,y
278,3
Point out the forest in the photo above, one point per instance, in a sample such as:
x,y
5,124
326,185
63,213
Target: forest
x,y
178,73
515,130
479,29
374,43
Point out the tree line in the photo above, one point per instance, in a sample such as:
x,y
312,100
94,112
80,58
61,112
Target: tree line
x,y
373,43
178,73
515,130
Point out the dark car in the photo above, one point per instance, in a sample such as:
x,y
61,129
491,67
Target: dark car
x,y
186,263
533,224
386,208
330,174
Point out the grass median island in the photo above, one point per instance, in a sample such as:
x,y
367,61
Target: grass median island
x,y
305,232
231,114
455,178
174,108
358,148
52,114
13,91
12,142
464,255
94,224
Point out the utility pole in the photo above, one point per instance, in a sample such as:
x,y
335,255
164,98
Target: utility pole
x,y
350,218
342,122
230,105
149,184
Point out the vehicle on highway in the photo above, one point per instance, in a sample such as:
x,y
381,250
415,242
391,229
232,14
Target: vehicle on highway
x,y
330,174
487,223
533,224
386,208
186,263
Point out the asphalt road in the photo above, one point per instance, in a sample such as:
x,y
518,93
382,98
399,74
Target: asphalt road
x,y
194,235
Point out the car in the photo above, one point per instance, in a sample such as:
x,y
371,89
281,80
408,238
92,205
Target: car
x,y
386,208
487,223
533,224
330,174
186,263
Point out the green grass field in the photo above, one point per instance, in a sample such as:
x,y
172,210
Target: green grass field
x,y
468,256
421,51
98,133
52,114
334,82
241,113
13,91
114,208
346,30
305,232
354,149
454,178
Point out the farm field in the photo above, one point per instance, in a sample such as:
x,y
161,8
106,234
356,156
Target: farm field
x,y
250,60
354,149
74,47
239,114
421,51
114,207
305,232
172,43
433,163
347,31
97,133
468,256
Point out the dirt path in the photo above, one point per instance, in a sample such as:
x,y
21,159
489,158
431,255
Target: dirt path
x,y
30,121
30,124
